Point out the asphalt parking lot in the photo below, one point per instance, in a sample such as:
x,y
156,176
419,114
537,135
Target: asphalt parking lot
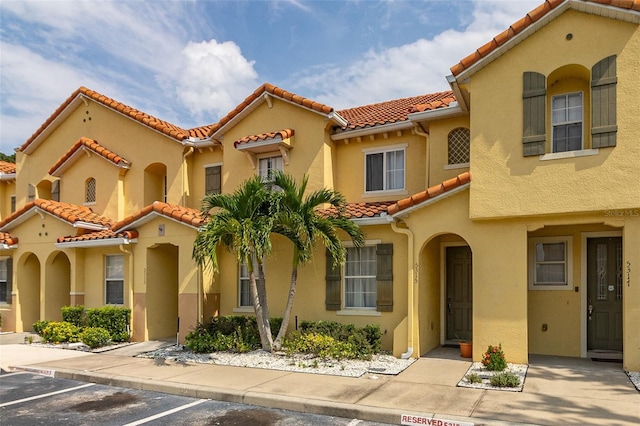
x,y
29,399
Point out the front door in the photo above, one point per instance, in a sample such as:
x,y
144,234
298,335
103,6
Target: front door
x,y
459,287
604,295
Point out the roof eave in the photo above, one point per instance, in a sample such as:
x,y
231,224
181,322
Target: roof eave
x,y
452,110
97,243
148,218
378,128
404,213
383,219
8,247
64,114
7,176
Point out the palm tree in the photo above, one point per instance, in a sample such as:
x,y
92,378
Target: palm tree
x,y
300,220
242,222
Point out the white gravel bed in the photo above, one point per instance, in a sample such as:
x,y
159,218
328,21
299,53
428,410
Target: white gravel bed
x,y
519,370
634,376
379,364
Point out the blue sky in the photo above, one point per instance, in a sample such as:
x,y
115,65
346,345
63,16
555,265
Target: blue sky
x,y
191,62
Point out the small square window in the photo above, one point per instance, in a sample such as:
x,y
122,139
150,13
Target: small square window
x,y
550,263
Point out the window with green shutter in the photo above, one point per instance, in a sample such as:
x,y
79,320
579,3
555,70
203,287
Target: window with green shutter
x,y
603,103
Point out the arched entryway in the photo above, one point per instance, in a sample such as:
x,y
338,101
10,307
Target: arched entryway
x,y
28,285
57,286
446,292
162,291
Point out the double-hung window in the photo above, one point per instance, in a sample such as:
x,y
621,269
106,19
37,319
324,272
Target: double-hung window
x,y
360,284
384,170
3,281
244,284
268,165
566,120
114,279
550,263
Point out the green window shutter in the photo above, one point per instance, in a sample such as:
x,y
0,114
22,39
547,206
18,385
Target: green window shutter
x,y
603,103
384,277
333,298
9,280
534,95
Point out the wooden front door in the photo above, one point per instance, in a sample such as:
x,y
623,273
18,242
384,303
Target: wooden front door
x,y
459,297
604,294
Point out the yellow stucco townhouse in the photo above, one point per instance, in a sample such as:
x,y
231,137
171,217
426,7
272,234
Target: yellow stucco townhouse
x,y
506,210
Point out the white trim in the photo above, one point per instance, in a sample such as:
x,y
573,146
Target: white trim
x,y
584,236
76,293
443,284
385,148
96,243
568,262
385,193
452,110
569,154
207,165
372,130
456,166
7,176
383,219
408,210
361,312
151,216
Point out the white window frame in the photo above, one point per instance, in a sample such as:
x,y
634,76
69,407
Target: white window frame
x,y
109,279
4,270
207,166
568,122
345,277
534,262
384,151
244,279
273,156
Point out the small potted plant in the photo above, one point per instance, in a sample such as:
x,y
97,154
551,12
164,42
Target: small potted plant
x,y
466,349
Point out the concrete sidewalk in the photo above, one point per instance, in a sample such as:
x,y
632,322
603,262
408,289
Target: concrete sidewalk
x,y
556,391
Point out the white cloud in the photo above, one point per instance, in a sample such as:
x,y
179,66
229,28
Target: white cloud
x,y
215,78
409,70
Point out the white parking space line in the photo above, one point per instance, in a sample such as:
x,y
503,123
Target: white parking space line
x,y
15,373
31,398
166,413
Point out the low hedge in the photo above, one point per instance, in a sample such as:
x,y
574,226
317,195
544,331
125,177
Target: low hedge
x,y
114,319
235,333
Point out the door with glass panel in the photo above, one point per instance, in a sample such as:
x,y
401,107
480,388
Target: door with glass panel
x,y
459,293
604,295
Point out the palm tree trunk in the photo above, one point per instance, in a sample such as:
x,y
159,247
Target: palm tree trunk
x,y
261,286
263,330
277,344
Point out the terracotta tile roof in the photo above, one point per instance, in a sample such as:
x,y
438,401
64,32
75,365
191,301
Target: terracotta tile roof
x,y
6,238
68,212
430,193
275,91
162,126
393,111
99,235
182,214
361,210
94,146
7,167
430,106
529,19
283,134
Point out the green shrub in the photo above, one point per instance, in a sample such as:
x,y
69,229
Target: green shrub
x,y
199,340
74,314
494,359
506,379
38,326
321,345
95,337
59,332
234,333
367,340
114,319
473,378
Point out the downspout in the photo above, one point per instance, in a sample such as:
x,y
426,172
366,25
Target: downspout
x,y
418,129
130,255
184,171
411,282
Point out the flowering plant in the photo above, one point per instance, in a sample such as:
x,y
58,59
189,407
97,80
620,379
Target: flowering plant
x,y
494,359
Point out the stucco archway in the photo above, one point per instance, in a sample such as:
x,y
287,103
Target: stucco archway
x,y
28,285
57,285
162,291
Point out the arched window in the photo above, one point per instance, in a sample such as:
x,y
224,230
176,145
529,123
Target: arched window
x,y
90,191
459,143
